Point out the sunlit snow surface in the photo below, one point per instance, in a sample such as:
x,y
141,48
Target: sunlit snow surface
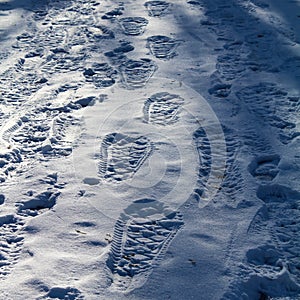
x,y
149,149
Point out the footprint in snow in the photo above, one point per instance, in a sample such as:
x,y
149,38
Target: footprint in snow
x,y
38,204
273,105
163,108
133,25
122,155
264,168
102,75
17,86
136,73
162,47
62,135
63,62
141,237
230,66
157,8
220,90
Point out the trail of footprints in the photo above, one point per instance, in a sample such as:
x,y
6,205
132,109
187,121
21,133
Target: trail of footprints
x,y
275,262
145,228
279,216
241,57
162,109
138,242
47,130
18,84
274,265
47,53
272,268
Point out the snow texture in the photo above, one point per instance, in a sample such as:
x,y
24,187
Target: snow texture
x,y
149,149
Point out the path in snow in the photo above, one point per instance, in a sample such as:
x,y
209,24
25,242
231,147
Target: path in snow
x,y
103,84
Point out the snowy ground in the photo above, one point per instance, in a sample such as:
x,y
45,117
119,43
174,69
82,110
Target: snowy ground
x,y
149,150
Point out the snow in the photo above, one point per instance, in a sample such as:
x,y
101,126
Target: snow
x,y
149,149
